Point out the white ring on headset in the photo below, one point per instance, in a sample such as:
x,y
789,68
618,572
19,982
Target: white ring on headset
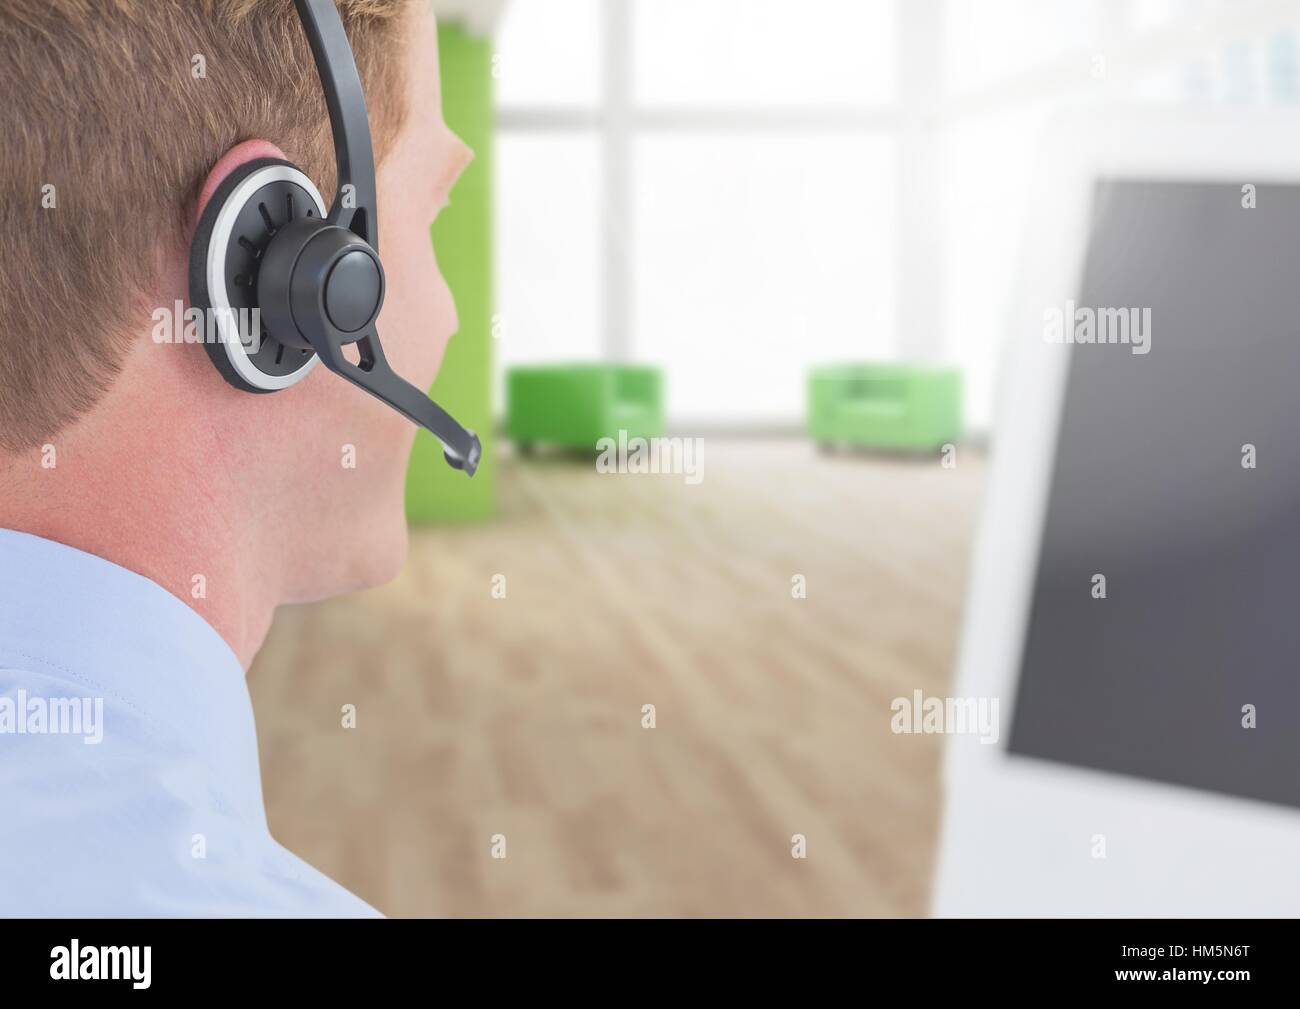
x,y
219,295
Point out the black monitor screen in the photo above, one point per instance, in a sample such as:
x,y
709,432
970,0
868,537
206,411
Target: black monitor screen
x,y
1177,481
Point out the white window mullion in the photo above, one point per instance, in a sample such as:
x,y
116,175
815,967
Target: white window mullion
x,y
617,242
919,230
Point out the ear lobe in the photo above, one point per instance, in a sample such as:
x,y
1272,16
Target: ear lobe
x,y
240,154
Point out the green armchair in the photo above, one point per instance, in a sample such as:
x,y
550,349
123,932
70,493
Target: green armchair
x,y
575,405
885,406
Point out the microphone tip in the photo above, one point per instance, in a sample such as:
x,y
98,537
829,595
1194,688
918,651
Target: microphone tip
x,y
469,462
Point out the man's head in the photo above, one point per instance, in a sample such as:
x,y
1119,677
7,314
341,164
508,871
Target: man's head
x,y
122,118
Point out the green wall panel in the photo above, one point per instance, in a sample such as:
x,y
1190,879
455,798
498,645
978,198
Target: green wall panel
x,y
463,238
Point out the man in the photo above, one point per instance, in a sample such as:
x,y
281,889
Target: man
x,y
152,517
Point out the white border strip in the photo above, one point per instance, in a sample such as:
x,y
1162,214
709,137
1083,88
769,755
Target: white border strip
x,y
219,294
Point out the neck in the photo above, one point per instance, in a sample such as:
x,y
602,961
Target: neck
x,y
154,492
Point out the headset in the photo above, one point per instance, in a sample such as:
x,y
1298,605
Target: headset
x,y
265,242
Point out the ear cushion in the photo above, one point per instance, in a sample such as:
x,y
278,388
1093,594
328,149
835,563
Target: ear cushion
x,y
271,368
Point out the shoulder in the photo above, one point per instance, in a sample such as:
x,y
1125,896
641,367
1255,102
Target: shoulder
x,y
109,814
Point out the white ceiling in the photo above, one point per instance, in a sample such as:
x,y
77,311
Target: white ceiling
x,y
479,16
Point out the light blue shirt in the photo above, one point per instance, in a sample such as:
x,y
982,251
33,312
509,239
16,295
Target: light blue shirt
x,y
129,783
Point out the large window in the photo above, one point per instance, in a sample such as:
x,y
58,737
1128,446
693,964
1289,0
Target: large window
x,y
1011,65
701,184
739,189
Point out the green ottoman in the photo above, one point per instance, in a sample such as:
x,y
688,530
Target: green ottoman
x,y
575,405
886,406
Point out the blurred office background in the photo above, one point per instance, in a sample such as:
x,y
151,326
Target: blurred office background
x,y
787,229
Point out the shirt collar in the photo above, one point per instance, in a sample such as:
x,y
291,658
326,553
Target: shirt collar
x,y
69,614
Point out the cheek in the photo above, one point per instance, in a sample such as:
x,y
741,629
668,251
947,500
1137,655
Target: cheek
x,y
419,315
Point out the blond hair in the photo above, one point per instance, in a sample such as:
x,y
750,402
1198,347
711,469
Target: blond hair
x,y
114,113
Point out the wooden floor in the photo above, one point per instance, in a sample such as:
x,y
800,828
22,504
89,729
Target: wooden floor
x,y
522,716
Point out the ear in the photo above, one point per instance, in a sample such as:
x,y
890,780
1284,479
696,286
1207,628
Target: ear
x,y
240,154
250,194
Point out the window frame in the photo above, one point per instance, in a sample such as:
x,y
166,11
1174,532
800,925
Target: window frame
x,y
923,109
616,119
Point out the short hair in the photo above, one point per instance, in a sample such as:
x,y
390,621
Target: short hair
x,y
123,107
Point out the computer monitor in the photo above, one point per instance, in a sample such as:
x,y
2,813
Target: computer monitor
x,y
1138,569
